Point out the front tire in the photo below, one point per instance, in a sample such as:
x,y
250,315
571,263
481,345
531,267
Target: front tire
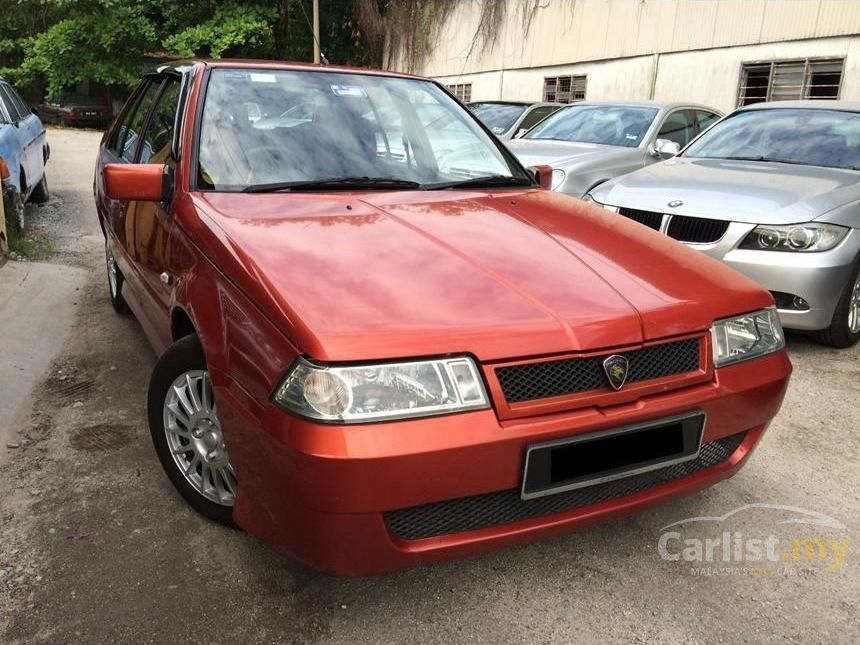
x,y
40,194
844,330
115,280
186,432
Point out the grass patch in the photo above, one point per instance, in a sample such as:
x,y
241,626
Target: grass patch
x,y
32,247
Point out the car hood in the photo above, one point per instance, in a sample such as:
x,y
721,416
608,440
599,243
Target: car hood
x,y
563,154
498,275
740,191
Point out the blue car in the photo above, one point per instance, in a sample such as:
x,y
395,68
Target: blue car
x,y
24,152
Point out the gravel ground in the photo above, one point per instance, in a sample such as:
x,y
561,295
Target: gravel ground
x,y
96,547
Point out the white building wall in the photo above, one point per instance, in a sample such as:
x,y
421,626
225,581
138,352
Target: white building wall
x,y
688,50
709,76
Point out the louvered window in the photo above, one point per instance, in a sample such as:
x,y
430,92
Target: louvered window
x,y
564,89
790,80
462,91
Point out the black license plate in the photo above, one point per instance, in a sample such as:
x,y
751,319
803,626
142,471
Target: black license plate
x,y
599,457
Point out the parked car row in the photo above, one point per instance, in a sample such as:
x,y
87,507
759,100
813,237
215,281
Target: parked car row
x,y
772,190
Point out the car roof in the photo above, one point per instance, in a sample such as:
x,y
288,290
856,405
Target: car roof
x,y
820,104
523,103
179,65
660,105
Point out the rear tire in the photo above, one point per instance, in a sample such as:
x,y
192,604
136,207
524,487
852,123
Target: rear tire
x,y
115,281
40,194
182,414
844,330
15,212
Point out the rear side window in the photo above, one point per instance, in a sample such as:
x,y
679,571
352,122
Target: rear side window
x,y
536,115
677,127
129,130
9,103
705,119
20,104
158,136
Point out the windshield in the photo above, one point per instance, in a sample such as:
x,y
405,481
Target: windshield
x,y
268,127
499,117
799,136
611,125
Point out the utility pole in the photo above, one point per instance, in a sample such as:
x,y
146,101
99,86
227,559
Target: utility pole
x,y
317,32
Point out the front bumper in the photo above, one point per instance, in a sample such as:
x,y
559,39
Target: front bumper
x,y
321,493
818,278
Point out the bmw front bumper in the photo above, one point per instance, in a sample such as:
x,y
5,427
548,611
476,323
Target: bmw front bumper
x,y
819,278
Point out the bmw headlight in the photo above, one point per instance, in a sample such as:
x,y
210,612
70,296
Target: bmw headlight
x,y
374,392
748,336
803,238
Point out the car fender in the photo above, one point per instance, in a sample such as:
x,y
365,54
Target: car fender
x,y
844,215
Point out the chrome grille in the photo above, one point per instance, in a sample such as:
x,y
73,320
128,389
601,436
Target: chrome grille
x,y
504,507
574,375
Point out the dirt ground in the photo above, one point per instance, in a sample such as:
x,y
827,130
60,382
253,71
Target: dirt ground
x,y
96,547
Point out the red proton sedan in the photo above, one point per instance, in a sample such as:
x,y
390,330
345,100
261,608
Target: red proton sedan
x,y
383,343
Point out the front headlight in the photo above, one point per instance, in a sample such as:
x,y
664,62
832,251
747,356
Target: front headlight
x,y
803,238
557,178
364,393
748,336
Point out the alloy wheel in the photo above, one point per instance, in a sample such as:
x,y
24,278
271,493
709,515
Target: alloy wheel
x,y
854,307
195,440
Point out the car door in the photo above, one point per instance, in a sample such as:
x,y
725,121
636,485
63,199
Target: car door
x,y
30,135
120,147
18,142
33,132
149,225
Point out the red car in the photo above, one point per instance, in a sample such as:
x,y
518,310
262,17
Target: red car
x,y
382,342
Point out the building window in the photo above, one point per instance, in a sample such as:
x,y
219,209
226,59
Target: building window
x,y
790,80
564,89
462,91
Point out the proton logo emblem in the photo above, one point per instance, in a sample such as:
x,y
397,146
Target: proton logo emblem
x,y
675,203
615,367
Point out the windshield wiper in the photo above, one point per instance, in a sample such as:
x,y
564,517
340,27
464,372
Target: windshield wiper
x,y
764,159
490,181
376,183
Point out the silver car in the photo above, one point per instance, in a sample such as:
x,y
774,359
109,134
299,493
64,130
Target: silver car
x,y
773,190
588,143
507,119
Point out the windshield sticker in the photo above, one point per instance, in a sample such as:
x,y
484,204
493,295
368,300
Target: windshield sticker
x,y
348,90
263,78
631,137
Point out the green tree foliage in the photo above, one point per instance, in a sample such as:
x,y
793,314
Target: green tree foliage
x,y
235,30
56,44
98,40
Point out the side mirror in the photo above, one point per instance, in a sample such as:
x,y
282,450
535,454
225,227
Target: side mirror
x,y
542,175
147,182
664,148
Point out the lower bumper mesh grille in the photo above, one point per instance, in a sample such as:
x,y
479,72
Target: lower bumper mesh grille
x,y
504,507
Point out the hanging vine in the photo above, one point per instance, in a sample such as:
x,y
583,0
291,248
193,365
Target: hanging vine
x,y
407,31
